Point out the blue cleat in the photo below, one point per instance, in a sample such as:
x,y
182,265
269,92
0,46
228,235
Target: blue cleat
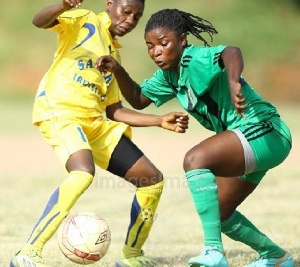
x,y
209,257
285,261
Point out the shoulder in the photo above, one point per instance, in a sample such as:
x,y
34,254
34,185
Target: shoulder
x,y
195,57
204,51
73,20
77,13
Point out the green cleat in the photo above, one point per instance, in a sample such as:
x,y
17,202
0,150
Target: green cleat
x,y
285,261
31,258
209,257
139,261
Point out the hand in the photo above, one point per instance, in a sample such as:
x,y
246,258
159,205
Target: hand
x,y
106,64
175,121
237,98
68,4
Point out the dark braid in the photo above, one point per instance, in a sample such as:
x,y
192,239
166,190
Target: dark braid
x,y
181,22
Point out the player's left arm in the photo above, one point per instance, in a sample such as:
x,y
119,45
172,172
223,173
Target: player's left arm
x,y
233,62
174,121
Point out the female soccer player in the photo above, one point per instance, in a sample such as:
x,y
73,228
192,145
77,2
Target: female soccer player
x,y
250,137
68,109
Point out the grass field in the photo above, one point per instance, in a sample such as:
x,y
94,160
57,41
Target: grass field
x,y
30,173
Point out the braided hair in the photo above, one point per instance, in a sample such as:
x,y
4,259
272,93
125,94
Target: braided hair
x,y
181,22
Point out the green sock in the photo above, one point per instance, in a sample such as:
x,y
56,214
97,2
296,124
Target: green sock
x,y
202,184
239,228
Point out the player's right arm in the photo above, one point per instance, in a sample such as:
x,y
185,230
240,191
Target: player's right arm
x,y
47,17
129,88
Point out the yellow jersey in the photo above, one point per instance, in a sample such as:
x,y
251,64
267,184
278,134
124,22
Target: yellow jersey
x,y
72,86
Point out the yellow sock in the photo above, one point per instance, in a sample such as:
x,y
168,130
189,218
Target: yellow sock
x,y
58,207
142,216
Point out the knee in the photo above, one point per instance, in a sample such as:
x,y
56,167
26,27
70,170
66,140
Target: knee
x,y
158,177
193,160
81,161
89,168
153,179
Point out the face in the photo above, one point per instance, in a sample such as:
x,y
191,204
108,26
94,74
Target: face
x,y
165,47
124,15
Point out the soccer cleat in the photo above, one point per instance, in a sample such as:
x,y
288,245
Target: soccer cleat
x,y
139,261
31,258
209,257
285,261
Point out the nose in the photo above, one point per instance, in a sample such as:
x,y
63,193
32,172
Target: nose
x,y
131,20
157,51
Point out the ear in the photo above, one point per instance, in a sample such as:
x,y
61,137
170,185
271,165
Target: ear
x,y
183,39
109,4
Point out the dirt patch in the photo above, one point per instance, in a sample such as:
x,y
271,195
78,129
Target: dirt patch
x,y
30,154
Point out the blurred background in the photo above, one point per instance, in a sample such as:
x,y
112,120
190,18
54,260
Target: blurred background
x,y
268,32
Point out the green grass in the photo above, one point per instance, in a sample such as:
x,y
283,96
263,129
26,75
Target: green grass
x,y
267,32
274,207
176,235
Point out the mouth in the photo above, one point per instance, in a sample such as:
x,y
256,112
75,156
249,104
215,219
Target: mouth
x,y
123,30
159,63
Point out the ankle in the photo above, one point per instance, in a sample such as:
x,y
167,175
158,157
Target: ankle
x,y
129,252
28,248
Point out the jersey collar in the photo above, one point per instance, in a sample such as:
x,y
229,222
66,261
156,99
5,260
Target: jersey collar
x,y
106,21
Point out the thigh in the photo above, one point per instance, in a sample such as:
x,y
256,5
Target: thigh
x,y
128,161
232,191
66,137
104,138
269,144
223,154
124,156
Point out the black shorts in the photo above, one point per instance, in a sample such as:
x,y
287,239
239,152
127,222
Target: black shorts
x,y
125,155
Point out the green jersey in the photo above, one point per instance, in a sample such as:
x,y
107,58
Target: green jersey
x,y
202,89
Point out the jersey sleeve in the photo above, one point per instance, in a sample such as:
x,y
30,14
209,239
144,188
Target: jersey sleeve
x,y
157,89
70,21
205,67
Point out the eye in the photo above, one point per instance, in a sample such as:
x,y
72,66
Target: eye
x,y
126,11
164,44
149,46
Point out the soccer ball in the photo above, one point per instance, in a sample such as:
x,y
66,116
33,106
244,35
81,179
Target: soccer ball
x,y
84,237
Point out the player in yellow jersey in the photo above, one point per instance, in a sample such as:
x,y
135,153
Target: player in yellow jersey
x,y
68,109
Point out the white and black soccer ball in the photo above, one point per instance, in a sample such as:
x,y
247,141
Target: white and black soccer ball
x,y
84,237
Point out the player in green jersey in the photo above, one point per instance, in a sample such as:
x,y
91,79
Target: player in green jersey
x,y
69,110
250,136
